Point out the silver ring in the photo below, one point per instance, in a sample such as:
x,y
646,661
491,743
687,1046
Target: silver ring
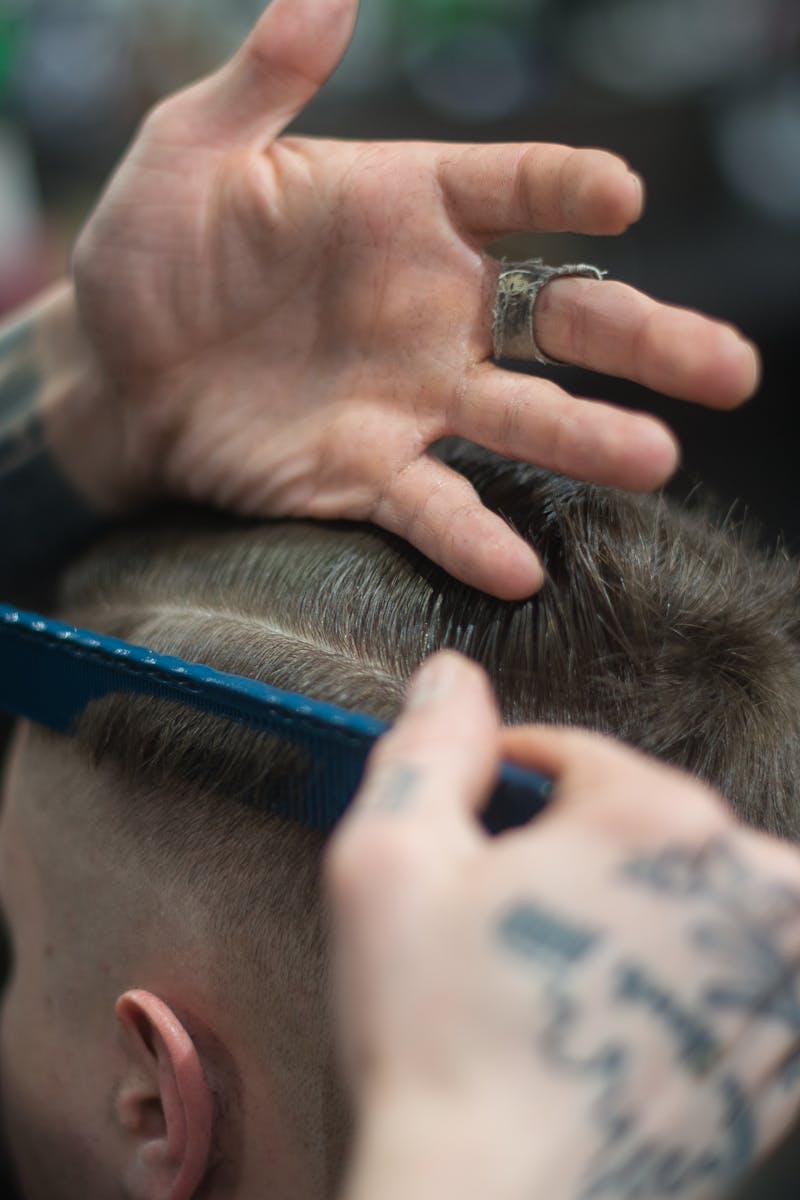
x,y
518,289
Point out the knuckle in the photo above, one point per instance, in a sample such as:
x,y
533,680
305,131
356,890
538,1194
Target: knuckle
x,y
690,811
644,800
415,510
257,54
265,59
527,186
476,680
254,190
651,349
778,860
705,804
569,183
570,448
511,417
560,320
403,748
596,177
459,404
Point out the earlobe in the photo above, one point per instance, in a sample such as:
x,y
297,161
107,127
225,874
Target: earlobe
x,y
163,1104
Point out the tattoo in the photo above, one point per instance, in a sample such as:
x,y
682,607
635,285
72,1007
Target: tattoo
x,y
540,936
711,871
630,1163
49,518
395,791
21,435
643,1168
19,378
732,919
738,933
698,1049
714,873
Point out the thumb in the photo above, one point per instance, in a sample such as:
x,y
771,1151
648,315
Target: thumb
x,y
293,50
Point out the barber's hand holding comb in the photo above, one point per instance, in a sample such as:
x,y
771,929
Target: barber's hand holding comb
x,y
603,1004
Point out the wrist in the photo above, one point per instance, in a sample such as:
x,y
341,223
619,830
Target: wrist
x,y
58,460
82,418
432,1148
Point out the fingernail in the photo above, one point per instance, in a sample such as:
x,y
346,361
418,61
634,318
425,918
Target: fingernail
x,y
640,188
756,366
434,681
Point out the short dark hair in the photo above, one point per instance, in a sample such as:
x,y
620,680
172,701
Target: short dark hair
x,y
659,624
675,633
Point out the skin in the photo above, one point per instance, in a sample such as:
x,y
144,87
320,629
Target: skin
x,y
282,325
463,964
130,1063
627,1028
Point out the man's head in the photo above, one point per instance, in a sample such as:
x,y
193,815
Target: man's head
x,y
166,1032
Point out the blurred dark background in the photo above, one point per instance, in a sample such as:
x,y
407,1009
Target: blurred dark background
x,y
702,96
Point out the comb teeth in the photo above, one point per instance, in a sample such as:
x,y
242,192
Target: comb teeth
x,y
50,672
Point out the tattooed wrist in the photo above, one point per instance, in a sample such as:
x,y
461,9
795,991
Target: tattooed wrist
x,y
43,388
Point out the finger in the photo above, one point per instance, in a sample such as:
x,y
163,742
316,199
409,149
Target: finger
x,y
428,774
598,777
535,420
284,62
612,328
440,513
441,755
491,191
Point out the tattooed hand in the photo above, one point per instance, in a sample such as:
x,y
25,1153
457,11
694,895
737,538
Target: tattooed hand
x,y
605,1004
284,325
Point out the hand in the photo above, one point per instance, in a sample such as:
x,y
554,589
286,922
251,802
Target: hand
x,y
603,1004
287,324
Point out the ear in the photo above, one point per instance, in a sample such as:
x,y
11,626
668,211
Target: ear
x,y
163,1105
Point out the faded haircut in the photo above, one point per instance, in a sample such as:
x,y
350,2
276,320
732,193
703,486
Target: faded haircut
x,y
674,633
657,624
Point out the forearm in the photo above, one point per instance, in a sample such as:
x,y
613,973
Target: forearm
x,y
58,441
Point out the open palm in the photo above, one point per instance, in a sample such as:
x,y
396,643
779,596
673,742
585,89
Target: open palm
x,y
289,323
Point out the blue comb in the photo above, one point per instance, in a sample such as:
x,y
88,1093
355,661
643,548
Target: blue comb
x,y
50,672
